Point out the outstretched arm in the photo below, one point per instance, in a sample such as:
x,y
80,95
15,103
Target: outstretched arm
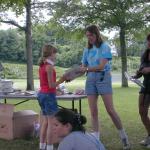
x,y
138,74
100,67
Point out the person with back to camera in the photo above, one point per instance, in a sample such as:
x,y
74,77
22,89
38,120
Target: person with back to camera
x,y
47,94
144,94
68,126
96,62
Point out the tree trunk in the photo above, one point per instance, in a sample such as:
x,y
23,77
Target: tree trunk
x,y
123,56
30,83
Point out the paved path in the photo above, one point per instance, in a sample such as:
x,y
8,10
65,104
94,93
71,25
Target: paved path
x,y
116,77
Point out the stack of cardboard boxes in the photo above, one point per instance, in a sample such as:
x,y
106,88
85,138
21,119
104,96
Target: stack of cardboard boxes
x,y
16,124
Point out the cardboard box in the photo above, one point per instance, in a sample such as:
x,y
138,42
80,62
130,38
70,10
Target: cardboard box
x,y
16,124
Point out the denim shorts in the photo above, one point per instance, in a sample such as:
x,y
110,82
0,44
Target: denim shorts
x,y
98,83
48,103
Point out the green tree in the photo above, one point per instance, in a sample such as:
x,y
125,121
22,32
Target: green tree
x,y
12,46
121,15
24,7
14,4
41,35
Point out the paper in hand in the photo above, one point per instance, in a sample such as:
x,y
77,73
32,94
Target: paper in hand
x,y
138,82
73,73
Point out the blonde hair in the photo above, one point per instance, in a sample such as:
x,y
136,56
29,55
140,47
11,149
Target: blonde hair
x,y
47,51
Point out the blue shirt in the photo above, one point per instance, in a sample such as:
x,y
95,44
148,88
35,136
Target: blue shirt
x,y
92,57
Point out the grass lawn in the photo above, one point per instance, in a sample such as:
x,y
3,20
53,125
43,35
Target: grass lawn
x,y
126,104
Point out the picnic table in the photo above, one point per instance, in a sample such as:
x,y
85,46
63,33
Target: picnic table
x,y
23,97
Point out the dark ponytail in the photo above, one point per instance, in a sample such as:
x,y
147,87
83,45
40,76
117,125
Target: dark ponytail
x,y
76,120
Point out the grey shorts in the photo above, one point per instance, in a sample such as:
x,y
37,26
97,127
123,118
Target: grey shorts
x,y
98,83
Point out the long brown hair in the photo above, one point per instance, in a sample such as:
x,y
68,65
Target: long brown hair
x,y
145,55
94,30
47,51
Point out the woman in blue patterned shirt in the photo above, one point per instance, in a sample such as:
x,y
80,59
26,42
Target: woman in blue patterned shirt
x,y
96,62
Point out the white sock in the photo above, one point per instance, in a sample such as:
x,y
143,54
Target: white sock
x,y
42,145
96,134
49,147
123,134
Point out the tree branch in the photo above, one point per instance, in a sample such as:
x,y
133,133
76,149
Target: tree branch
x,y
45,4
14,24
148,18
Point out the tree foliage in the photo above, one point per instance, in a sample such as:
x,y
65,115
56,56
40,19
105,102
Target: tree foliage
x,y
18,6
121,15
12,46
23,7
14,5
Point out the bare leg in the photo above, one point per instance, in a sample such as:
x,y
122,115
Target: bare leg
x,y
92,100
108,101
43,129
143,111
49,131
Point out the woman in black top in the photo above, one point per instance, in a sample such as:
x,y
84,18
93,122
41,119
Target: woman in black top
x,y
144,94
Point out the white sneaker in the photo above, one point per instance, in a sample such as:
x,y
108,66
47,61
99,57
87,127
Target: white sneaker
x,y
146,142
126,144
